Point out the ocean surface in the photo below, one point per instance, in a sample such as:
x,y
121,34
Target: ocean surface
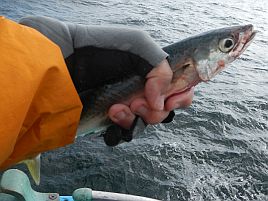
x,y
217,149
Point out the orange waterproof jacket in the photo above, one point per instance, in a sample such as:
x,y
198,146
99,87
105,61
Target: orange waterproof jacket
x,y
39,106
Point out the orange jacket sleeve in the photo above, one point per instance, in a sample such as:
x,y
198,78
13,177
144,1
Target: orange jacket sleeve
x,y
39,106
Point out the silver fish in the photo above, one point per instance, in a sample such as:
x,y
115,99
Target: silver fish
x,y
193,60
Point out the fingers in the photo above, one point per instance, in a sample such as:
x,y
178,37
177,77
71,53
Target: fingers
x,y
151,105
121,115
124,115
158,81
140,107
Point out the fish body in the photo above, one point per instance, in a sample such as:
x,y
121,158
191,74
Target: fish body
x,y
192,60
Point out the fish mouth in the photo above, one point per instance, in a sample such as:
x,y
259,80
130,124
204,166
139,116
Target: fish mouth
x,y
243,42
253,34
249,39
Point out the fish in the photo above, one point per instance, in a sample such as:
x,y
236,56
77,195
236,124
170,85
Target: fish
x,y
193,60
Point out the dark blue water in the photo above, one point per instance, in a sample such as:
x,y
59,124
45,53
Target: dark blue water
x,y
215,150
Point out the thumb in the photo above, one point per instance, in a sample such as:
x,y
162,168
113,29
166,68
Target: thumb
x,y
157,84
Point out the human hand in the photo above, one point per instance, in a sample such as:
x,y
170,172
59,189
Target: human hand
x,y
151,105
87,65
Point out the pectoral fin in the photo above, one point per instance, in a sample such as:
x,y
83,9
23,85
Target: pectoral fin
x,y
33,166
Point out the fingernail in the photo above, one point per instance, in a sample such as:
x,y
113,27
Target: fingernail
x,y
120,115
142,111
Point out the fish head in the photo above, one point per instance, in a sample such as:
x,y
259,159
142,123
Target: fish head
x,y
223,46
200,58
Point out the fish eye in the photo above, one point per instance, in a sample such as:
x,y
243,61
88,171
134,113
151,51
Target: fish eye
x,y
226,44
